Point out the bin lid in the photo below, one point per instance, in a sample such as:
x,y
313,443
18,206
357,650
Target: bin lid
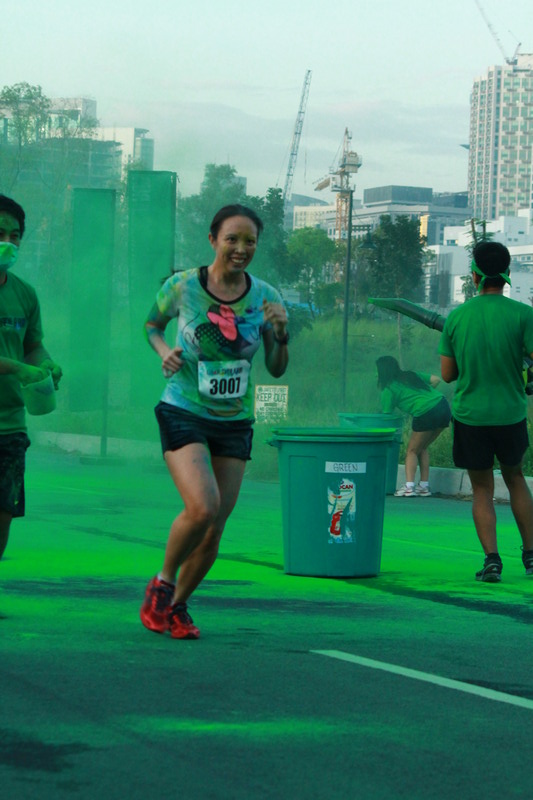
x,y
334,434
371,420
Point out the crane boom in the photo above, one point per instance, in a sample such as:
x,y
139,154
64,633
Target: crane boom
x,y
496,38
296,137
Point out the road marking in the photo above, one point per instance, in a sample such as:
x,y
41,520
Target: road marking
x,y
427,677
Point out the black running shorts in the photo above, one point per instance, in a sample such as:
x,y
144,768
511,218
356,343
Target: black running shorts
x,y
437,417
13,448
474,447
229,439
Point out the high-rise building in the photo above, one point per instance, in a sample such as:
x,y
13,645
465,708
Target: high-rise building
x,y
72,116
137,147
500,164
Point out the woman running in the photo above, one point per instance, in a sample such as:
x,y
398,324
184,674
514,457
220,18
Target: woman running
x,y
206,411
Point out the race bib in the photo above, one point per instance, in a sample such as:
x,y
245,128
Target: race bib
x,y
223,380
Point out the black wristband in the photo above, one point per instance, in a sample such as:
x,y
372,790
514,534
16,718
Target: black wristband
x,y
284,339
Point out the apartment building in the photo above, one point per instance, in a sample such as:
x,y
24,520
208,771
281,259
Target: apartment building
x,y
500,165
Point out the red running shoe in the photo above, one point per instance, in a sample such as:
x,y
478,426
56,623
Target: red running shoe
x,y
156,605
181,624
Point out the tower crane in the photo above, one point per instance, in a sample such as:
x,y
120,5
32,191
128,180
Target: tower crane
x,y
511,61
296,138
339,181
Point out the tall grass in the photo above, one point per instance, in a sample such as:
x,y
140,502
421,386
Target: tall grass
x,y
314,380
314,373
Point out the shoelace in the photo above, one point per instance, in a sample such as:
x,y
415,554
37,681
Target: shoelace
x,y
181,612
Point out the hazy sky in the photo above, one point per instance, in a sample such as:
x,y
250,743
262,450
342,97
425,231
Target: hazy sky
x,y
220,80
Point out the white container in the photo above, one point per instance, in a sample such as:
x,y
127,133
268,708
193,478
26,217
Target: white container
x,y
39,397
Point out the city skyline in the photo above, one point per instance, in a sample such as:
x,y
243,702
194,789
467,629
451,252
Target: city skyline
x,y
221,83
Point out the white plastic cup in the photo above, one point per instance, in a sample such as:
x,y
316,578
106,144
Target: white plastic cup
x,y
39,397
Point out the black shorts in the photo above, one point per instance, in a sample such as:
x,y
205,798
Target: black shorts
x,y
474,447
13,448
437,417
229,439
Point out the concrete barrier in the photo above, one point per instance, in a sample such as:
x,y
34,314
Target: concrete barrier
x,y
90,445
456,483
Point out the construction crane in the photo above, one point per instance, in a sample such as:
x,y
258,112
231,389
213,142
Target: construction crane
x,y
339,181
511,61
296,138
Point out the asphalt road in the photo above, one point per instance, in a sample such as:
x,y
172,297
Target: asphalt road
x,y
416,684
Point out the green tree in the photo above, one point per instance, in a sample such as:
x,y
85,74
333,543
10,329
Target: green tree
x,y
27,109
309,250
270,261
329,296
393,268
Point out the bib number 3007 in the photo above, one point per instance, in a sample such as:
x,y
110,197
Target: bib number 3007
x,y
225,387
223,380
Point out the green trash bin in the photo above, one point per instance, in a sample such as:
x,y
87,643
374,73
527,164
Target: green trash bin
x,y
333,499
363,421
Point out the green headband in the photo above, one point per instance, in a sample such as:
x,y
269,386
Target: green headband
x,y
505,275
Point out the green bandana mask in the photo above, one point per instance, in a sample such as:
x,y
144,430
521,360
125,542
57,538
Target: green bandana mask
x,y
505,275
8,255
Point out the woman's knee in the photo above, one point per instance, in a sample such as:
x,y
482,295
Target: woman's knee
x,y
203,512
414,449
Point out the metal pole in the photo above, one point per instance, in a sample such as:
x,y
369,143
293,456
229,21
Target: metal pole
x,y
346,302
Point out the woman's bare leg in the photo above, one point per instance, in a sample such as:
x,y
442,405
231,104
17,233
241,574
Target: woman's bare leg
x,y
209,487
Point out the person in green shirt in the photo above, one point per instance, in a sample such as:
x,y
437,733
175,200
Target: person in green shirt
x,y
23,360
415,394
482,347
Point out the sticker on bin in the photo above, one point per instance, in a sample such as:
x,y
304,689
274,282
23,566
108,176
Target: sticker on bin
x,y
341,511
345,466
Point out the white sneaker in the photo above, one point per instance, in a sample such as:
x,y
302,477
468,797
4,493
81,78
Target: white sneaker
x,y
422,491
405,491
